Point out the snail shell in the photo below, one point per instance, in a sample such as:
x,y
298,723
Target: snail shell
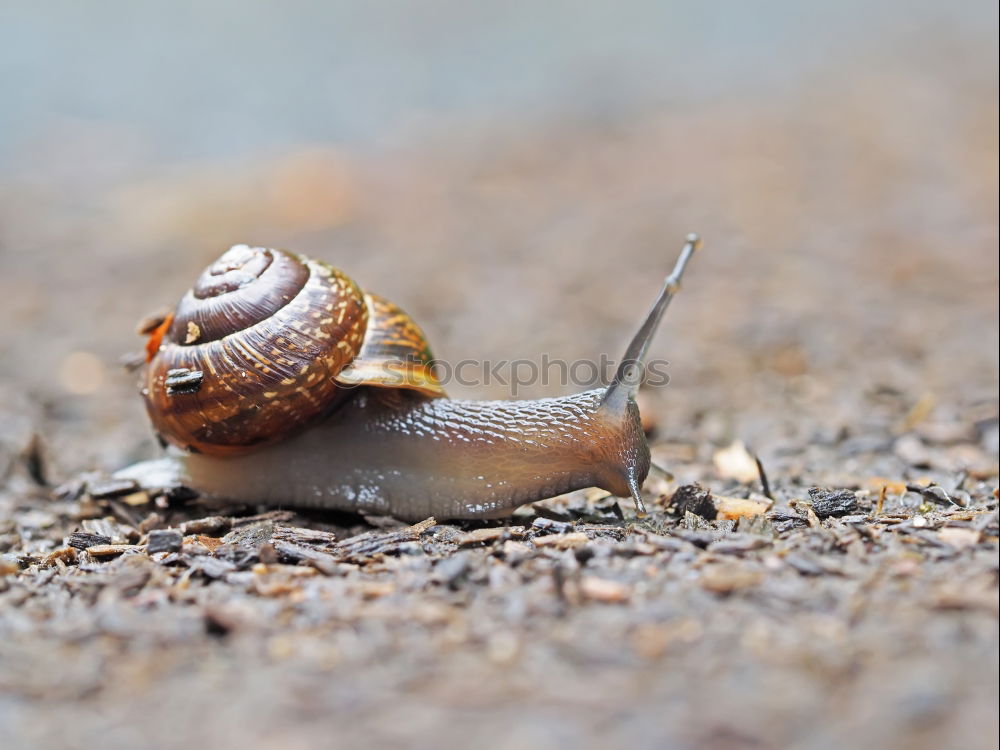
x,y
265,343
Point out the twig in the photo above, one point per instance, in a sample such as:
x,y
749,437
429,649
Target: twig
x,y
764,484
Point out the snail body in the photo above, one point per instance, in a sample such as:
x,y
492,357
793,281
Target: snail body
x,y
283,383
446,458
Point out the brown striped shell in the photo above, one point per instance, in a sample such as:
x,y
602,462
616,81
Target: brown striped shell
x,y
265,343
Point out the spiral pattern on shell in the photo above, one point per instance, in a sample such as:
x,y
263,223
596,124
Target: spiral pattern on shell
x,y
252,351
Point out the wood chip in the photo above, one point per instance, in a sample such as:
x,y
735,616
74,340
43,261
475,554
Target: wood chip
x,y
828,503
298,535
116,532
693,498
561,541
321,550
604,590
481,536
62,554
108,488
84,539
323,562
547,524
164,540
111,550
136,498
211,525
211,543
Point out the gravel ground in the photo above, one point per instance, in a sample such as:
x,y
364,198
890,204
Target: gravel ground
x,y
841,324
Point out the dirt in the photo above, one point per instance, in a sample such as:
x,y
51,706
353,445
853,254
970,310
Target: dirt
x,y
840,325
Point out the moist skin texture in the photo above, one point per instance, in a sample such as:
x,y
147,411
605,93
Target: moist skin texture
x,y
391,453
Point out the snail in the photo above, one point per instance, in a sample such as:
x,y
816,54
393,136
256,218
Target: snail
x,y
278,381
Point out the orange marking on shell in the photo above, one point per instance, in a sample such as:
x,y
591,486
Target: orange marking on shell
x,y
156,337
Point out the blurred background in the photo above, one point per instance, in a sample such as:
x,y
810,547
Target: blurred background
x,y
518,176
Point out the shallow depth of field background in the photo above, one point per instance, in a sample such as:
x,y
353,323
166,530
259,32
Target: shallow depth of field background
x,y
519,176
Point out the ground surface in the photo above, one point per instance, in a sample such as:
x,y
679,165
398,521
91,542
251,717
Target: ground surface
x,y
841,323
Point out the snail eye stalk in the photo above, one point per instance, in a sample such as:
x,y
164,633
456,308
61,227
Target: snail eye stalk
x,y
628,377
